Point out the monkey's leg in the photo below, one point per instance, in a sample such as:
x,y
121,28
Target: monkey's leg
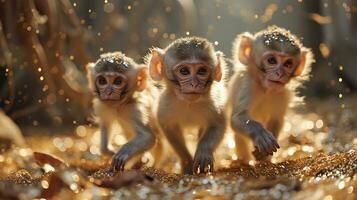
x,y
244,147
143,141
177,141
157,152
104,141
203,159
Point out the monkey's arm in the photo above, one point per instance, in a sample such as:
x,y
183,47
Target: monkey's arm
x,y
203,159
241,121
143,141
104,140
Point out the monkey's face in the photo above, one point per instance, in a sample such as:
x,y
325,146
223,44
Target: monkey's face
x,y
111,86
193,80
277,68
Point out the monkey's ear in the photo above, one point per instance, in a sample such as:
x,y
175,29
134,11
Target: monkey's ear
x,y
89,70
306,59
141,78
156,64
89,67
218,67
242,47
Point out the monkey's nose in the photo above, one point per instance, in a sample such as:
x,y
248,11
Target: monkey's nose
x,y
278,73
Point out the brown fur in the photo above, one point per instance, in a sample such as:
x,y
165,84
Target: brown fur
x,y
177,115
136,115
255,102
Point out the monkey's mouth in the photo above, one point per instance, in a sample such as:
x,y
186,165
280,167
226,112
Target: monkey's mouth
x,y
192,93
277,82
113,97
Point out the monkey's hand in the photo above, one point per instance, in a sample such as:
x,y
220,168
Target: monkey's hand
x,y
119,159
264,142
203,161
259,155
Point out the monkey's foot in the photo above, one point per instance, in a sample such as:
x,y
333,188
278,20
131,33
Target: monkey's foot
x,y
187,168
119,160
203,163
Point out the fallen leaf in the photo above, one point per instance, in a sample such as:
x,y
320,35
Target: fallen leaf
x,y
42,159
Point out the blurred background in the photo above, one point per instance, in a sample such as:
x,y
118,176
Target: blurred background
x,y
45,45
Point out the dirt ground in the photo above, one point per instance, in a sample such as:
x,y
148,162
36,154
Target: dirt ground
x,y
317,160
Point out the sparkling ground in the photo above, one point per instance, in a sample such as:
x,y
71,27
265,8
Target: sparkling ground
x,y
317,160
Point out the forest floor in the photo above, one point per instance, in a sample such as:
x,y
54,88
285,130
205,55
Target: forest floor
x,y
317,160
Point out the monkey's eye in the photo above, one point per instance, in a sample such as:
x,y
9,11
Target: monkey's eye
x,y
102,80
184,71
288,63
272,60
117,81
202,71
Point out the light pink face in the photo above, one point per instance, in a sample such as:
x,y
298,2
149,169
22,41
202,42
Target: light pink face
x,y
192,79
111,86
278,68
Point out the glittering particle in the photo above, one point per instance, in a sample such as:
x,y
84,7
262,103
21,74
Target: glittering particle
x,y
324,49
81,131
108,7
48,168
172,36
350,189
341,185
44,184
319,123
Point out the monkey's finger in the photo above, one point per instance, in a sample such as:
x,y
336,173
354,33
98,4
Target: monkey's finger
x,y
272,144
197,169
121,164
113,167
275,142
264,146
116,165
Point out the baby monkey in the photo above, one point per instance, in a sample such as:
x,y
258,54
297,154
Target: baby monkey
x,y
193,97
267,64
122,93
